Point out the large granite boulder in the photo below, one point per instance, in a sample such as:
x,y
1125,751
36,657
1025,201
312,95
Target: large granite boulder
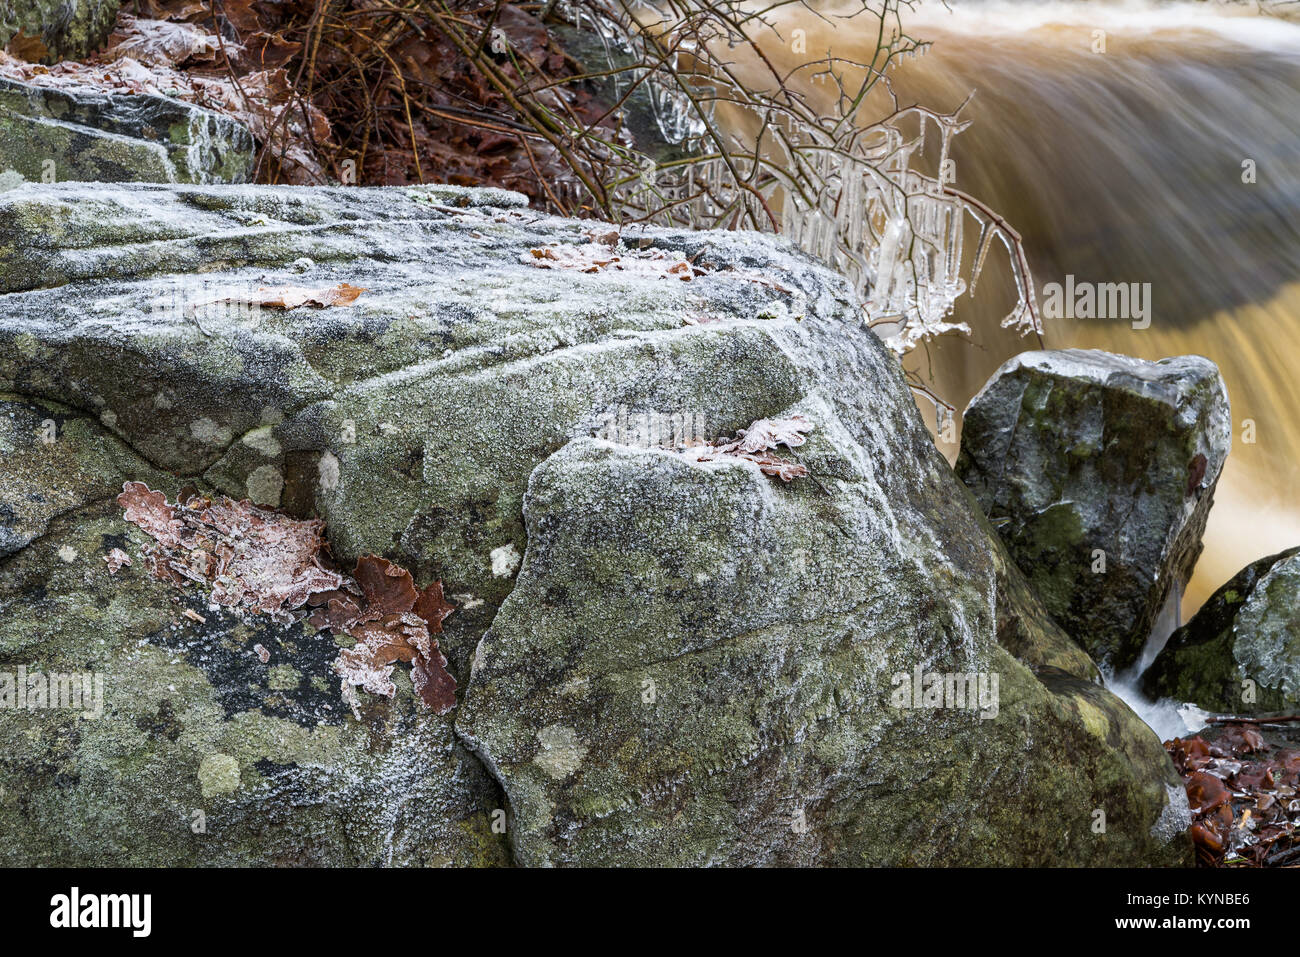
x,y
488,423
1241,652
66,29
1098,471
49,134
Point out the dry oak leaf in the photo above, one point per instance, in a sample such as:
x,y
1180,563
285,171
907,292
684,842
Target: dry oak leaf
x,y
291,297
252,558
149,509
381,643
766,434
391,621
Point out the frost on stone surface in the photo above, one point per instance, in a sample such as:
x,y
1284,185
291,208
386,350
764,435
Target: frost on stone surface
x,y
257,560
599,257
605,254
291,297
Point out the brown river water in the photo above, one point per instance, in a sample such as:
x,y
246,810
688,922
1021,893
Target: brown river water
x,y
1113,137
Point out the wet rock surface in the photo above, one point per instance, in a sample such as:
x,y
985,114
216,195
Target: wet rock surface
x,y
1240,653
1098,471
448,419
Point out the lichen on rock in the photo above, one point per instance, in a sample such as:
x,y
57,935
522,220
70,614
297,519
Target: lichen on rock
x,y
659,659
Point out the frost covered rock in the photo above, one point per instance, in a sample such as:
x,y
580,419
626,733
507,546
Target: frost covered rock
x,y
497,426
139,726
699,667
1098,471
68,29
1241,652
84,134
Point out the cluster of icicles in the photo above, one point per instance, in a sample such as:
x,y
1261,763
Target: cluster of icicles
x,y
894,232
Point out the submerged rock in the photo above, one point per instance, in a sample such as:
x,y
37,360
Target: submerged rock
x,y
83,134
1098,471
66,29
1241,652
494,425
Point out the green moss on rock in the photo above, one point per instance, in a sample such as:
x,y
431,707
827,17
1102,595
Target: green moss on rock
x,y
1241,652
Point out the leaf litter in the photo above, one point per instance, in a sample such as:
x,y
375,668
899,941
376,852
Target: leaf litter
x,y
757,443
256,560
1244,793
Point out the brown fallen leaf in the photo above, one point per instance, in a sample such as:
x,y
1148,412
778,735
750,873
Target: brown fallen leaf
x,y
31,49
392,621
1205,792
161,42
755,444
388,588
288,297
766,434
252,558
149,510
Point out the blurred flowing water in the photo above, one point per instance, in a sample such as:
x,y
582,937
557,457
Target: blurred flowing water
x,y
1125,164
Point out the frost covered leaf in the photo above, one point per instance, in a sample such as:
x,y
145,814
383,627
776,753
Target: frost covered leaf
x,y
783,469
766,434
380,643
392,621
395,622
116,559
253,559
756,443
337,610
162,43
149,510
598,257
291,297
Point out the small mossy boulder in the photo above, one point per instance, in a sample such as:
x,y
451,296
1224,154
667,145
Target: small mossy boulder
x,y
1241,652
